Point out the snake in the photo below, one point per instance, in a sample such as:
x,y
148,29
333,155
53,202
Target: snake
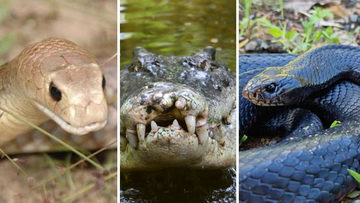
x,y
57,80
305,75
312,167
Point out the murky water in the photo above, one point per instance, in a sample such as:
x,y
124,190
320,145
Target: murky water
x,y
171,27
178,185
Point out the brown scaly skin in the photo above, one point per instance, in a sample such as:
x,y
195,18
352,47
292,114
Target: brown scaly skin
x,y
27,81
35,141
177,112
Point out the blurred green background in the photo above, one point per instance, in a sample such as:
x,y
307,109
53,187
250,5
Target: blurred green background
x,y
171,27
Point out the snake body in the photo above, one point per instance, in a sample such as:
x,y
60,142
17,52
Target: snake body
x,y
310,168
304,76
52,79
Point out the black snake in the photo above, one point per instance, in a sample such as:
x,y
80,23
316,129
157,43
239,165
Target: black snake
x,y
312,167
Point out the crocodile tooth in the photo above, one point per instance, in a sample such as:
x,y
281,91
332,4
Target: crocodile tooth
x,y
220,140
211,134
190,123
202,133
176,125
154,127
123,143
140,128
131,136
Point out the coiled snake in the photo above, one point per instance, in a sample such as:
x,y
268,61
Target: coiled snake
x,y
310,168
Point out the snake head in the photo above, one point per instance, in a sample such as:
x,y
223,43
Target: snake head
x,y
273,88
75,98
68,85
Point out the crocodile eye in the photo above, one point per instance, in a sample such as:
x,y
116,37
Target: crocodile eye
x,y
103,82
55,93
270,88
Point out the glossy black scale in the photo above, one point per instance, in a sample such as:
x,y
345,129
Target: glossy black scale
x,y
309,168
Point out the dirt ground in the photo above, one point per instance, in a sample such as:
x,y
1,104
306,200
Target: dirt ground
x,y
16,187
91,24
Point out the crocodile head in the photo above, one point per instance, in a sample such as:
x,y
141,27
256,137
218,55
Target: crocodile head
x,y
177,112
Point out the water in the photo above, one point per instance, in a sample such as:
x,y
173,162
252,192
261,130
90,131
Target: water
x,y
178,185
171,27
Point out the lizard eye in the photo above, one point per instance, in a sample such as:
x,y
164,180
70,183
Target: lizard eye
x,y
55,93
271,88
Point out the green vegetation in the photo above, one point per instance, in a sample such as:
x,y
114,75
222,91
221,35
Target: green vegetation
x,y
335,124
292,40
6,41
245,26
243,139
299,42
355,175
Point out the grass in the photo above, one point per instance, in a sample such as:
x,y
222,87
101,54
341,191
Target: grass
x,y
245,25
66,171
53,137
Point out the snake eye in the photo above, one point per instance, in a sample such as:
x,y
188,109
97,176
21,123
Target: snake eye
x,y
270,88
103,82
55,93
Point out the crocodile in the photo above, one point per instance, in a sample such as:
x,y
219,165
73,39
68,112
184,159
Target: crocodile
x,y
177,112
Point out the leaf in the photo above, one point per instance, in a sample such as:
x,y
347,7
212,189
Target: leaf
x,y
304,46
276,32
265,22
244,137
328,38
317,36
290,35
308,33
306,24
294,37
335,124
354,194
326,13
314,19
329,31
354,174
244,23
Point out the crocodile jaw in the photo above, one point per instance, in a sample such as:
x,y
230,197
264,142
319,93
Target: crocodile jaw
x,y
167,126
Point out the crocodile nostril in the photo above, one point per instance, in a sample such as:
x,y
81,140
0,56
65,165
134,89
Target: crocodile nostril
x,y
149,110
